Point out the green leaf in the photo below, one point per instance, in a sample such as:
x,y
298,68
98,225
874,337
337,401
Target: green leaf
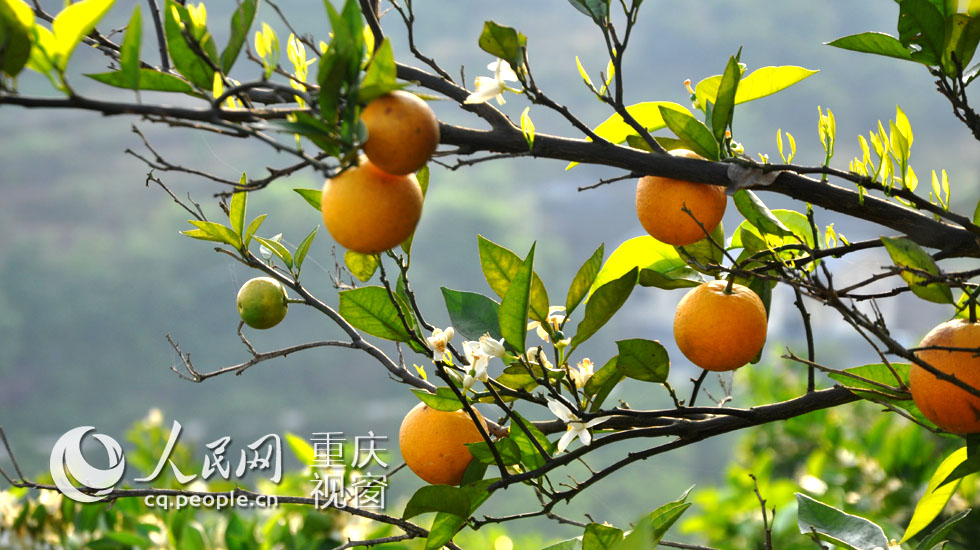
x,y
186,60
938,535
370,309
303,249
880,373
907,254
603,304
650,256
598,10
438,498
503,42
705,252
530,456
128,540
568,544
583,280
921,23
129,53
312,197
17,21
515,305
443,528
321,134
241,22
756,213
500,265
938,492
766,81
443,400
601,537
301,449
724,104
380,77
644,360
602,383
472,314
72,24
279,250
748,237
236,210
834,526
650,529
509,452
360,265
877,43
149,79
219,233
238,535
191,538
648,114
695,135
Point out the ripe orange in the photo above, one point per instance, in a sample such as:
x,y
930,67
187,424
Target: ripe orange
x,y
659,203
433,442
402,132
719,331
262,302
948,406
368,210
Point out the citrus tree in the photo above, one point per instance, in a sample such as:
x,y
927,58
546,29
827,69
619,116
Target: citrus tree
x,y
342,106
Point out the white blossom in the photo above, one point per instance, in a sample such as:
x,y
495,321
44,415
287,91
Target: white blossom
x,y
575,427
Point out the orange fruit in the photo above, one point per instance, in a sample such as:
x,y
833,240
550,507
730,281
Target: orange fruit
x,y
433,443
368,210
402,132
948,406
659,203
262,302
719,331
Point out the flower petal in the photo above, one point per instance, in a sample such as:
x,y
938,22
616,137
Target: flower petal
x,y
567,439
596,421
561,411
585,437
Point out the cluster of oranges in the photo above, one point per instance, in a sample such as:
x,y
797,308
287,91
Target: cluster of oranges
x,y
376,205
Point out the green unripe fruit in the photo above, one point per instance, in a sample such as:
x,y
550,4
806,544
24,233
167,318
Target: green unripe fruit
x,y
262,302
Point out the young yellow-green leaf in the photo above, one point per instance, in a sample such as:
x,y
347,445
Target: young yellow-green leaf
x,y
834,526
645,253
645,360
360,265
499,267
443,400
40,59
700,255
503,42
937,494
236,210
648,114
472,314
583,73
516,303
527,128
129,53
756,213
962,36
252,228
301,448
278,249
724,104
202,235
603,304
651,528
312,197
72,24
438,498
241,22
17,21
219,232
303,249
149,79
583,280
907,254
692,132
422,176
602,383
370,309
766,81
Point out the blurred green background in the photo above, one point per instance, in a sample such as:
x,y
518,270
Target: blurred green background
x,y
93,273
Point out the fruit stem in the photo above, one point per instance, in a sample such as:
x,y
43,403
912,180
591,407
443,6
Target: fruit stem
x,y
731,285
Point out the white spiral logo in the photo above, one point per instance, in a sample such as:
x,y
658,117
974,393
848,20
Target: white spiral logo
x,y
66,458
